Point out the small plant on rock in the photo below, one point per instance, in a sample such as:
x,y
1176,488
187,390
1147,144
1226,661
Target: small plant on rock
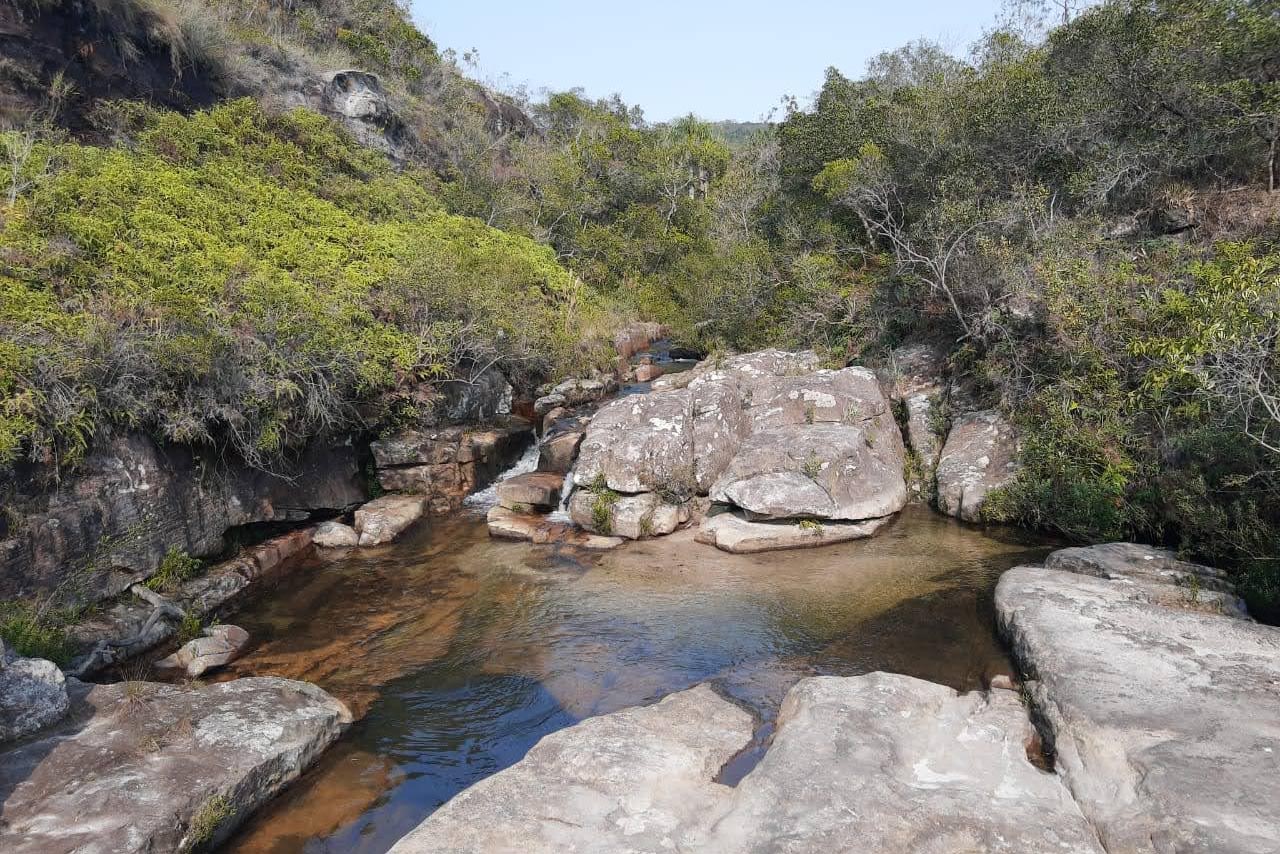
x,y
811,526
176,567
812,466
207,819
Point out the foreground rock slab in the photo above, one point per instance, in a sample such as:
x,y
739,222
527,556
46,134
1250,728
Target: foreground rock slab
x,y
731,533
1165,717
876,763
220,645
636,780
140,767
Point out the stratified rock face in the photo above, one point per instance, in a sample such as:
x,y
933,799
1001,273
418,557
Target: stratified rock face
x,y
981,454
636,780
383,519
1165,717
879,764
888,763
731,533
139,767
448,464
33,695
111,525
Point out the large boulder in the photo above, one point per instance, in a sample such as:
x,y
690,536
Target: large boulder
x,y
383,519
1164,715
637,443
33,695
141,767
981,455
879,764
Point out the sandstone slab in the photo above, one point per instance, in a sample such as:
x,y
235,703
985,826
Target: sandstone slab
x,y
383,519
141,767
540,490
980,455
1165,718
633,781
507,524
732,533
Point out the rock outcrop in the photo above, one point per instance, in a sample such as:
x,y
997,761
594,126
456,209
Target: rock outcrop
x,y
357,99
140,767
112,525
768,433
876,763
980,455
913,379
1163,712
33,695
448,464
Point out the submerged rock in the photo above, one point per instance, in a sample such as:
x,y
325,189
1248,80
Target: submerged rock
x,y
731,533
981,455
511,525
876,763
383,519
1165,717
33,695
141,767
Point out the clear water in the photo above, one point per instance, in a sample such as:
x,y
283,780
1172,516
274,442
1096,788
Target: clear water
x,y
457,653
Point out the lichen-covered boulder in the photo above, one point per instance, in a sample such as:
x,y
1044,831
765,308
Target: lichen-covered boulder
x,y
637,443
33,695
980,455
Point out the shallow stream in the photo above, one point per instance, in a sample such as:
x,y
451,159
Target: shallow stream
x,y
457,653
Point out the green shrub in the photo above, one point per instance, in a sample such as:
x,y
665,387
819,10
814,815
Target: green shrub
x,y
176,568
36,633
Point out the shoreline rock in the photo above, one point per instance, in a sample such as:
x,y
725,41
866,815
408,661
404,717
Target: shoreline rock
x,y
731,533
1164,715
140,767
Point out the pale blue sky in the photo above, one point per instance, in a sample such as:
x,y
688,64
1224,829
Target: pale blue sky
x,y
716,58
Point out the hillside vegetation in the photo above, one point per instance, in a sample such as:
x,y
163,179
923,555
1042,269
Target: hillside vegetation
x,y
1086,220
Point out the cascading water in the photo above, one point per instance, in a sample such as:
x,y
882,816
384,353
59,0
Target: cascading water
x,y
487,497
561,513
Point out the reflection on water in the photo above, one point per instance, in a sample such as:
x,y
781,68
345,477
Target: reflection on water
x,y
458,653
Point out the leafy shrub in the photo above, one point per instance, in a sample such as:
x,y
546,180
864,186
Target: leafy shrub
x,y
244,279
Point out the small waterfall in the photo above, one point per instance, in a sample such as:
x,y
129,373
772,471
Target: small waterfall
x,y
561,513
488,497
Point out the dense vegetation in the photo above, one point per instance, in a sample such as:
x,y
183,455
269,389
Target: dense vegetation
x,y
236,278
1085,219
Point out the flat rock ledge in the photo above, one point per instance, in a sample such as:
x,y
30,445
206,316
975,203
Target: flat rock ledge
x,y
1164,711
875,763
732,533
144,767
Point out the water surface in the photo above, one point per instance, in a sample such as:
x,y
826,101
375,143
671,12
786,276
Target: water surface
x,y
457,653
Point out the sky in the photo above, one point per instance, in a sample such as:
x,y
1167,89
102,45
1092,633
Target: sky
x,y
716,58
